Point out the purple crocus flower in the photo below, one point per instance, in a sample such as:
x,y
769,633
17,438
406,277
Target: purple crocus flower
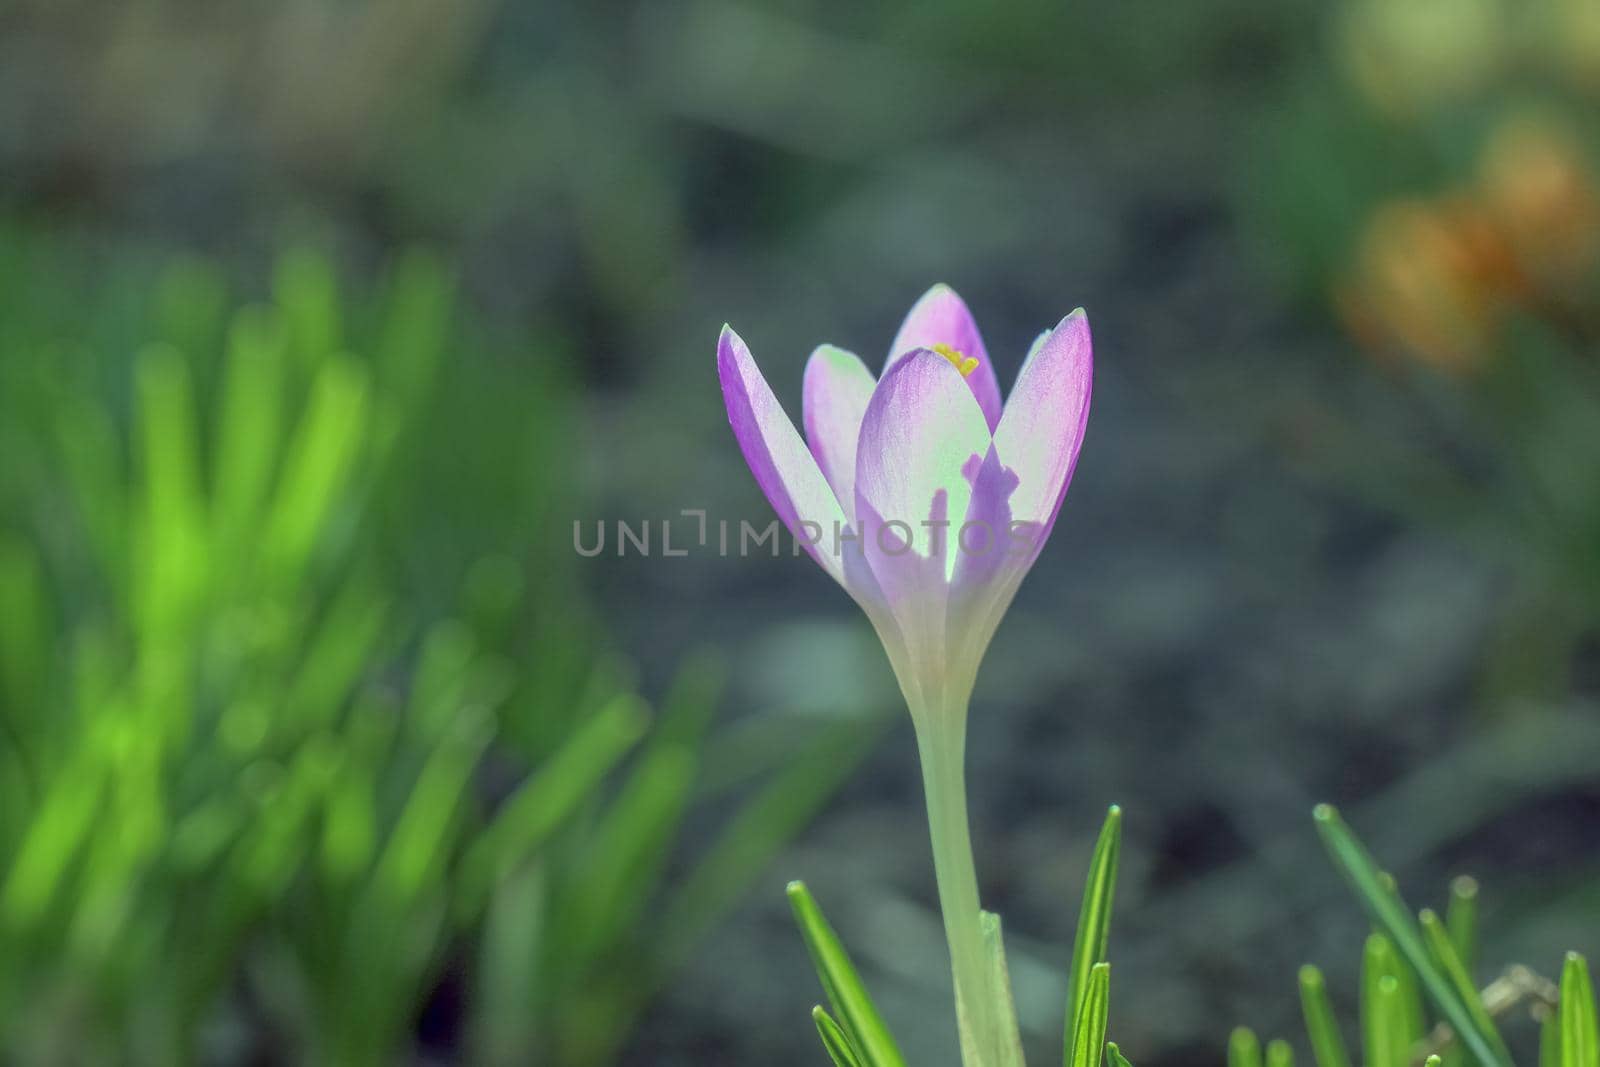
x,y
928,500
918,491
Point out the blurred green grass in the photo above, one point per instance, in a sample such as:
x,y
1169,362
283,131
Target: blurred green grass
x,y
302,710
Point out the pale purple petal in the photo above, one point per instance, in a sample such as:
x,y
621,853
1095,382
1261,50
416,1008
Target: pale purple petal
x,y
1019,486
913,598
921,429
941,318
837,388
987,540
779,459
994,552
1041,432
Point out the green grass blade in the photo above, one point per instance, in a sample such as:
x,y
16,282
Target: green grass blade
x,y
1089,1035
834,1039
554,791
1461,919
1414,1015
342,648
249,434
1444,953
1000,989
1115,1057
171,543
1094,922
1383,1023
756,833
169,435
322,454
444,673
1363,875
349,837
1279,1054
857,1014
1244,1049
204,834
508,974
305,288
416,853
691,702
1382,1032
1414,1018
65,820
1322,1025
1550,1039
1580,1043
626,851
630,846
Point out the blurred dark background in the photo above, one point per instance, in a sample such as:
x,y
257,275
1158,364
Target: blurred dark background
x,y
1335,534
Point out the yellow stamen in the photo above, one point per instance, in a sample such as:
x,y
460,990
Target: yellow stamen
x,y
958,359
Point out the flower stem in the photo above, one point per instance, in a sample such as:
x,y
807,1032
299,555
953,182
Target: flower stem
x,y
941,745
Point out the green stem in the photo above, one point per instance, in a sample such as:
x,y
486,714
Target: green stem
x,y
941,744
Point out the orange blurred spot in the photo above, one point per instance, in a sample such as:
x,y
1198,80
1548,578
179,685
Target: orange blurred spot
x,y
1542,194
1430,278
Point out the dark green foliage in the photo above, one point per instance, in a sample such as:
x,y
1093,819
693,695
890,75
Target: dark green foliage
x,y
1429,955
862,1033
1089,1036
861,1021
1579,1041
1094,924
1392,1009
298,695
1244,1048
1322,1026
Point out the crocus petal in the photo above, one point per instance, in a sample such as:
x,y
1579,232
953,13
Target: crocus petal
x,y
837,388
779,459
985,539
1018,488
993,556
941,318
922,427
1041,432
920,430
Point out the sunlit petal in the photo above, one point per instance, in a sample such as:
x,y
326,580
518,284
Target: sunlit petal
x,y
783,466
1041,432
837,389
941,318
